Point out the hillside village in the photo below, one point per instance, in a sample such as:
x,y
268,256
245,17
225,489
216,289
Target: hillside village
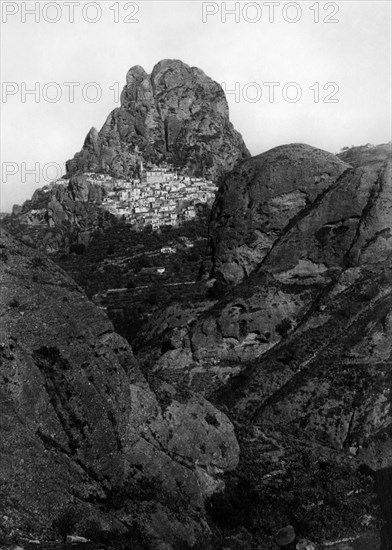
x,y
160,196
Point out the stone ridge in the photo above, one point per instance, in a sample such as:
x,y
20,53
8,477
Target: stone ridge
x,y
81,429
177,114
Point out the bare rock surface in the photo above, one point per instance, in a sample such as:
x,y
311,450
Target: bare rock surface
x,y
351,226
83,431
299,355
259,201
176,114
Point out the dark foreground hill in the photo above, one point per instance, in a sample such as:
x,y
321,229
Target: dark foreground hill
x,y
88,445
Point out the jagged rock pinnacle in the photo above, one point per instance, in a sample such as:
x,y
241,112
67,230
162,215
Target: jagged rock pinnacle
x,y
177,114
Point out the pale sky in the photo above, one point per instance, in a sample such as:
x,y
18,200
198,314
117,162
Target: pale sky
x,y
348,60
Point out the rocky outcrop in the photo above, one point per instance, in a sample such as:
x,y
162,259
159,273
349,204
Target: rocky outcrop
x,y
320,406
84,435
204,347
261,199
350,226
332,373
301,212
60,214
177,114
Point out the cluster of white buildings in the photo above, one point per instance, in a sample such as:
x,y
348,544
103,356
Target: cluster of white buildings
x,y
159,197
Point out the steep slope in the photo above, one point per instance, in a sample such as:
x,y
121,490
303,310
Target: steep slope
x,y
314,417
177,114
87,444
351,225
299,355
326,245
260,200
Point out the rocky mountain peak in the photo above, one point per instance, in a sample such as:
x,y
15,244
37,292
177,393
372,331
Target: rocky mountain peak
x,y
92,140
176,114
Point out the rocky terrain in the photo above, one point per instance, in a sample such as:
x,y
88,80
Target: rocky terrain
x,y
177,114
322,250
294,348
298,353
261,199
61,215
257,398
89,446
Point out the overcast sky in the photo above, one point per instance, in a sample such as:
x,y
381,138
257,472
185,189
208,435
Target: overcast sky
x,y
338,53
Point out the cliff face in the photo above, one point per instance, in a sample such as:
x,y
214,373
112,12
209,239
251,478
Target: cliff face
x,y
177,114
83,434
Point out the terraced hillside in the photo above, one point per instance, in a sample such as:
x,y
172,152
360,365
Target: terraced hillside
x,y
134,274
